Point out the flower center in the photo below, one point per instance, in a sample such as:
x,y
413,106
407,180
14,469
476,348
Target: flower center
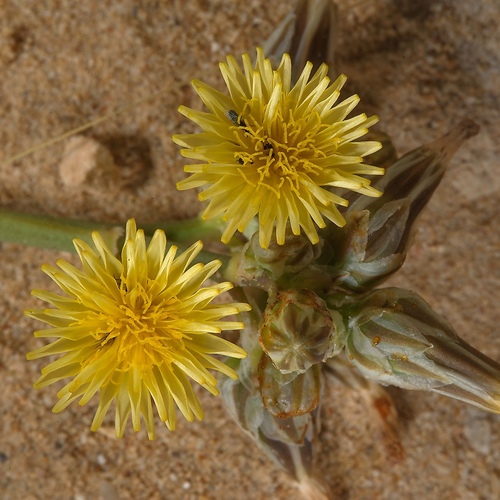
x,y
142,332
278,153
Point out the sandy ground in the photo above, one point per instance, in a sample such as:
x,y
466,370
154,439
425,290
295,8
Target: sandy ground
x,y
421,65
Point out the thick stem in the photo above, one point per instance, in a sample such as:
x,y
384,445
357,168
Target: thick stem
x,y
54,233
58,233
188,231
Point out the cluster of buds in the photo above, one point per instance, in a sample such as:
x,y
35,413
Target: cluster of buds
x,y
316,309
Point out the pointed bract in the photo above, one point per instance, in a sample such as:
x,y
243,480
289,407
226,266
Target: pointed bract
x,y
395,338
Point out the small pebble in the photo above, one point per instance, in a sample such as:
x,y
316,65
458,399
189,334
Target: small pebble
x,y
87,162
100,459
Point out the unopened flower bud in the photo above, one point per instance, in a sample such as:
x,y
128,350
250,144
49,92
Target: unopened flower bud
x,y
287,265
374,247
287,395
282,427
378,231
299,331
395,338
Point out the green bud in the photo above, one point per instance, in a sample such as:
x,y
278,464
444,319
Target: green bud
x,y
287,441
299,331
395,338
284,265
372,248
291,394
374,242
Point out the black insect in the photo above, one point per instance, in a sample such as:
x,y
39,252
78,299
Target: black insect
x,y
233,116
121,285
268,146
241,162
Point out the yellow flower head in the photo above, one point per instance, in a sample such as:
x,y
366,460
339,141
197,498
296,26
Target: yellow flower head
x,y
275,149
135,329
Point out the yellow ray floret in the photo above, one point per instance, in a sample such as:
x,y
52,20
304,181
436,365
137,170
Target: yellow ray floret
x,y
276,150
136,330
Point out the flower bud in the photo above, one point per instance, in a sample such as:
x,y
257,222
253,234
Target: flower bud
x,y
298,331
287,441
378,231
286,265
395,338
374,247
287,395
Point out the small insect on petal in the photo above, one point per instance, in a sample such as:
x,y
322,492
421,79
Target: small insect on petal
x,y
234,117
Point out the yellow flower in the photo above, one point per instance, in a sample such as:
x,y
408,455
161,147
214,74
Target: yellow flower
x,y
135,329
275,149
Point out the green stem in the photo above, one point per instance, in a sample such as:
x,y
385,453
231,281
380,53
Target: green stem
x,y
52,232
42,231
187,231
